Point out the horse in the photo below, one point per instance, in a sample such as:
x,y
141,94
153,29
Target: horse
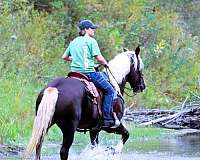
x,y
65,102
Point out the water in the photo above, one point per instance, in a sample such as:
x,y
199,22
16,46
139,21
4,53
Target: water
x,y
174,146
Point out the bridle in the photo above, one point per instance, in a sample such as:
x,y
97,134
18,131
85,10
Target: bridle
x,y
130,89
139,73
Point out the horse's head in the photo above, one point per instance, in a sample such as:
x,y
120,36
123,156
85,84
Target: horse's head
x,y
135,76
127,67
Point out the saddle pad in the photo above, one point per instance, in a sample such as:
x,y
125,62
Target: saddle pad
x,y
89,85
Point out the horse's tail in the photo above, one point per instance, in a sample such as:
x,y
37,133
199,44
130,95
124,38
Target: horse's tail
x,y
43,118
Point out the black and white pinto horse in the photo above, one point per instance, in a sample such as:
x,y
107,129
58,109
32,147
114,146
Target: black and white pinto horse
x,y
64,102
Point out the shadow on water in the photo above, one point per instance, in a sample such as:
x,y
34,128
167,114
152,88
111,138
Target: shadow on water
x,y
177,144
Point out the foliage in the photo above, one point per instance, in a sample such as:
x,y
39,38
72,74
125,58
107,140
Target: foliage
x,y
29,40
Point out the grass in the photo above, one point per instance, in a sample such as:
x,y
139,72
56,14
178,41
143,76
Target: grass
x,y
17,103
144,138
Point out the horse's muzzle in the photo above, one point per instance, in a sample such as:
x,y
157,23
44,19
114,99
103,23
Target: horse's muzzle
x,y
142,87
139,88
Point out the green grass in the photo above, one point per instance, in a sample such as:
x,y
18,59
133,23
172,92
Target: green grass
x,y
17,101
144,138
147,132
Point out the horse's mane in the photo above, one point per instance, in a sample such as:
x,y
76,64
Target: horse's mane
x,y
120,67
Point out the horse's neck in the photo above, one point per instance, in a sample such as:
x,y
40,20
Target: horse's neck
x,y
122,86
119,68
114,82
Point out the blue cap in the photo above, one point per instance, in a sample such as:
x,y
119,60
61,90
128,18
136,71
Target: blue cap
x,y
85,24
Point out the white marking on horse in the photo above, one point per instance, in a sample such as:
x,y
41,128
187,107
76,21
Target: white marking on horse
x,y
120,67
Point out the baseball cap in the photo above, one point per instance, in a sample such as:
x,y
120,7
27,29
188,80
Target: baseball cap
x,y
85,24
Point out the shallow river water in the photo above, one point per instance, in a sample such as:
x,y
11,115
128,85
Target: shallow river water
x,y
184,146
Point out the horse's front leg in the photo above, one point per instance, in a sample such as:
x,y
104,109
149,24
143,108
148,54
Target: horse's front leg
x,y
94,137
125,135
124,132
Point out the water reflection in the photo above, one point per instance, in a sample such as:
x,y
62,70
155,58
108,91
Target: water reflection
x,y
184,144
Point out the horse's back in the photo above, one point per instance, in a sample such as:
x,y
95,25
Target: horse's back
x,y
70,96
68,87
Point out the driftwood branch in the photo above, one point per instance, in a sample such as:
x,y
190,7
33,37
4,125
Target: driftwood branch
x,y
183,105
158,120
196,96
188,117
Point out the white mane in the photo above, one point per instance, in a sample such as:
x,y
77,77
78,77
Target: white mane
x,y
120,67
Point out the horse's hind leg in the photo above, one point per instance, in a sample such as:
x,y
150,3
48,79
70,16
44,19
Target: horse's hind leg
x,y
39,145
68,130
38,149
67,142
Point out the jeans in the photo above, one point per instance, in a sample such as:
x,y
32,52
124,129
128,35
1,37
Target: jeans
x,y
102,83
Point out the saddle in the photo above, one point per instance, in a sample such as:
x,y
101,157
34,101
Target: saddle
x,y
90,87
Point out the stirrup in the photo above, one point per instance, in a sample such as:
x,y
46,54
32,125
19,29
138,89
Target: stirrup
x,y
117,122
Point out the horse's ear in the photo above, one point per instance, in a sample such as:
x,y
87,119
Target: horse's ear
x,y
137,50
125,49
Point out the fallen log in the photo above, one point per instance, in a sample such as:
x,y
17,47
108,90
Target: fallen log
x,y
159,120
187,117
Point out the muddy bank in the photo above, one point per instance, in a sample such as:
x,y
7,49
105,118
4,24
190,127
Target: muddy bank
x,y
186,116
10,151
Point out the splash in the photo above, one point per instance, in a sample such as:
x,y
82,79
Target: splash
x,y
100,152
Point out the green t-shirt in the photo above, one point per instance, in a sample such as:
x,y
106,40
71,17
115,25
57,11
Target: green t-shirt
x,y
83,49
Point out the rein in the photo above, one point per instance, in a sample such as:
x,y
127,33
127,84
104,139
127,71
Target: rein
x,y
107,69
129,94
